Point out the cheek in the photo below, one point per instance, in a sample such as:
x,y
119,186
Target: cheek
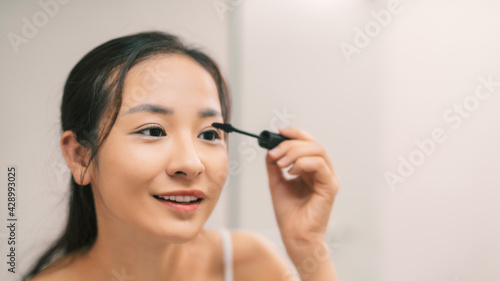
x,y
124,173
132,162
123,187
217,174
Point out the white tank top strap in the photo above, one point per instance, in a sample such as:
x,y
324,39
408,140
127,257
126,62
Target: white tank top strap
x,y
227,251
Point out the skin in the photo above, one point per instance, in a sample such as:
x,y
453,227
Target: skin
x,y
140,237
303,205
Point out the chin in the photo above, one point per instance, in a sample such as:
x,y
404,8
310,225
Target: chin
x,y
179,232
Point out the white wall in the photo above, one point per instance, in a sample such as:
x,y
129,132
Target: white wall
x,y
443,221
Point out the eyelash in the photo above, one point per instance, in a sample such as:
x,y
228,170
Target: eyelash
x,y
216,132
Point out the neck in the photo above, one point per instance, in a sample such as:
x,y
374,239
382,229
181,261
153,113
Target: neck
x,y
123,253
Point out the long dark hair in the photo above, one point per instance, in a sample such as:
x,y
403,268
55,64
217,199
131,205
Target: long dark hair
x,y
90,104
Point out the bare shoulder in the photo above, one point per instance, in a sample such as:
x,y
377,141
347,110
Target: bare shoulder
x,y
256,258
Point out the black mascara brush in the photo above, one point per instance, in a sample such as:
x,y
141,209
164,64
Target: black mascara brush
x,y
268,140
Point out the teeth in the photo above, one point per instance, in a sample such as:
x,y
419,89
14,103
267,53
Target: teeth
x,y
180,198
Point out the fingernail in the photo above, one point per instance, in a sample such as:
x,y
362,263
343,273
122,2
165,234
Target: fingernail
x,y
283,128
282,160
275,151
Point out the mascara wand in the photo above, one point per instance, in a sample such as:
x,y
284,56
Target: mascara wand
x,y
268,140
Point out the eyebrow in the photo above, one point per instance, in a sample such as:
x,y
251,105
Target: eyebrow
x,y
158,109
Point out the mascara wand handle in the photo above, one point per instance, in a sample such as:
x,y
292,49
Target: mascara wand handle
x,y
270,140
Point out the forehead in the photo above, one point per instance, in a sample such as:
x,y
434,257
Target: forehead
x,y
175,80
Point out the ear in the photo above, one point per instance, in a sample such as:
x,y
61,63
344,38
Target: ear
x,y
76,157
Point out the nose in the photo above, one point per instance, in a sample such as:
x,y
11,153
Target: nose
x,y
183,159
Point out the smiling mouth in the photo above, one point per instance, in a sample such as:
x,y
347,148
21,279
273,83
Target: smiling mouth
x,y
184,200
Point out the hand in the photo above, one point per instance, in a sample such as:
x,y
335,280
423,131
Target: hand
x,y
302,205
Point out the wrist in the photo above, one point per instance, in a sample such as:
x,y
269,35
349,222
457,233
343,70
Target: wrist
x,y
300,250
299,243
312,261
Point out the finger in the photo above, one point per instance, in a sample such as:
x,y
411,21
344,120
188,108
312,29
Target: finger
x,y
295,133
292,152
293,149
283,148
274,172
316,166
298,134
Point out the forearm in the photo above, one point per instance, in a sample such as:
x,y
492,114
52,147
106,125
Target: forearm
x,y
313,262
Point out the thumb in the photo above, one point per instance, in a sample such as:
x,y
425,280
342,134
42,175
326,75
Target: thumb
x,y
274,172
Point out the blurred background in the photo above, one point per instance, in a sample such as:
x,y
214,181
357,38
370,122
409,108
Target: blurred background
x,y
404,95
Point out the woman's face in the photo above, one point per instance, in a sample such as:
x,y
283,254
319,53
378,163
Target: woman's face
x,y
162,142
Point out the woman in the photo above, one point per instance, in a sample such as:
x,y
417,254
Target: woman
x,y
148,168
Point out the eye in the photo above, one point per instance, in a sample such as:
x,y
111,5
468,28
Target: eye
x,y
213,133
154,131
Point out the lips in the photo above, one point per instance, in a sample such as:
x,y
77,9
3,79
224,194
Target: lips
x,y
194,192
183,201
182,196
